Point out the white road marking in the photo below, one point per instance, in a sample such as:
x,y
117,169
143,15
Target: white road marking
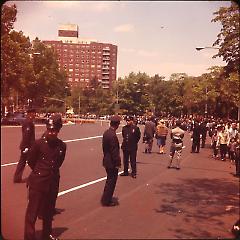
x,y
83,185
66,141
8,164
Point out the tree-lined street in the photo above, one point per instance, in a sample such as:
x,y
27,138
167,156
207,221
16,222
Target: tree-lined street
x,y
199,201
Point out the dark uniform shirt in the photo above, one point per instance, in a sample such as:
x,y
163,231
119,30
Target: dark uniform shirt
x,y
45,158
131,136
111,149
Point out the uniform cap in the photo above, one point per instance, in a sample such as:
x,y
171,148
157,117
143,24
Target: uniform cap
x,y
115,118
54,122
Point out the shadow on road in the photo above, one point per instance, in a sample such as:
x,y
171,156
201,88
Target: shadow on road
x,y
200,200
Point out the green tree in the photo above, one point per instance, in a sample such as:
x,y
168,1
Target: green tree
x,y
15,62
49,81
229,36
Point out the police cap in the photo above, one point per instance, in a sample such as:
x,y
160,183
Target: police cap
x,y
54,122
115,118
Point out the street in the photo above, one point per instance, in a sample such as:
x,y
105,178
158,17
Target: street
x,y
199,201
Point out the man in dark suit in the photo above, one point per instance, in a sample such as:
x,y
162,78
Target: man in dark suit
x,y
28,138
111,160
196,137
45,158
131,136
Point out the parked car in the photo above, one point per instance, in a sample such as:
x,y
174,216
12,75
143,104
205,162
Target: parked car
x,y
16,118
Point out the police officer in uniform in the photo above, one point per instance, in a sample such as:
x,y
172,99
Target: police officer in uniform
x,y
28,138
111,161
45,158
131,136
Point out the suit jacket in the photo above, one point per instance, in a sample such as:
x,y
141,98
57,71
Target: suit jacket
x,y
111,149
45,158
131,136
28,134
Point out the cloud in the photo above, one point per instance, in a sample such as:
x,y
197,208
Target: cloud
x,y
93,6
124,28
127,50
145,53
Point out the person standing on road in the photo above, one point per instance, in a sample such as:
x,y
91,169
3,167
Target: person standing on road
x,y
131,135
204,130
111,161
148,135
161,135
177,135
222,142
196,136
45,158
28,138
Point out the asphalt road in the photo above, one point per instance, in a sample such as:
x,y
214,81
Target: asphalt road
x,y
197,202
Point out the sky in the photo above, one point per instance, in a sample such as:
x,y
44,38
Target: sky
x,y
155,37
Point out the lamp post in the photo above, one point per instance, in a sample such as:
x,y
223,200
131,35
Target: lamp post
x,y
201,48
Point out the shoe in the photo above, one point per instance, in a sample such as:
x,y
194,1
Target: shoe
x,y
134,175
57,211
124,174
145,151
18,181
50,237
178,168
168,166
111,204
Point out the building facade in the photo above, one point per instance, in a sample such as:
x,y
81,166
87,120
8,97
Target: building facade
x,y
84,60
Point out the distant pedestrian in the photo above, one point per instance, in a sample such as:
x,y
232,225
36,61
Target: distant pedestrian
x,y
196,136
45,158
28,138
214,139
204,130
131,135
148,135
177,135
223,141
111,161
237,155
161,135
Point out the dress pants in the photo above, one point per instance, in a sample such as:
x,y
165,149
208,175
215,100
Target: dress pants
x,y
43,202
20,166
112,175
132,154
196,145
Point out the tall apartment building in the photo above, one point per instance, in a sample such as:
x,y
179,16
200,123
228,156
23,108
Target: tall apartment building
x,y
84,59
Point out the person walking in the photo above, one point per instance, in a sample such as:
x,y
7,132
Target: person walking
x,y
196,136
111,161
28,138
177,135
148,135
45,158
161,135
131,135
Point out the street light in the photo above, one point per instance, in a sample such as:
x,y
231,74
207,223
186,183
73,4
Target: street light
x,y
201,48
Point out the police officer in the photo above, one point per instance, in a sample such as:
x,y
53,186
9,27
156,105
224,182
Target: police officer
x,y
131,135
45,158
28,138
111,161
